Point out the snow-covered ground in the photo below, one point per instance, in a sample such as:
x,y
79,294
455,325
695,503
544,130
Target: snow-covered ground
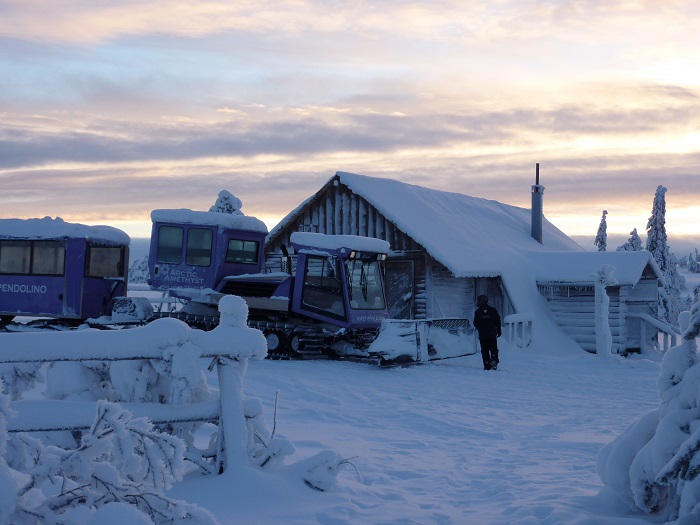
x,y
443,443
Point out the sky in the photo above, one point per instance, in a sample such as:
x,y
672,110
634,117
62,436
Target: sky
x,y
109,110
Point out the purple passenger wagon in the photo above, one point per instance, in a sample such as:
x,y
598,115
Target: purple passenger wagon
x,y
51,268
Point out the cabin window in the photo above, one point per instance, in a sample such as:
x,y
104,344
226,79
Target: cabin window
x,y
323,289
104,261
199,247
15,256
48,258
170,244
245,252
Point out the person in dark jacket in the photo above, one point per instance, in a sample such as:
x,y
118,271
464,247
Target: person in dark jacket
x,y
488,323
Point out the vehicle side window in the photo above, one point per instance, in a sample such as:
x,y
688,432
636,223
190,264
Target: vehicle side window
x,y
242,252
15,256
104,261
170,244
322,286
49,258
199,247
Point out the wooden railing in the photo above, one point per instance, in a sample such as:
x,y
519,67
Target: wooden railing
x,y
518,329
669,334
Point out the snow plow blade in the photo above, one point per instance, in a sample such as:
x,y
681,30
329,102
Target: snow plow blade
x,y
405,342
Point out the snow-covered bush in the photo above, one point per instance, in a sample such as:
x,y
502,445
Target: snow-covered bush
x,y
654,464
121,459
20,377
177,378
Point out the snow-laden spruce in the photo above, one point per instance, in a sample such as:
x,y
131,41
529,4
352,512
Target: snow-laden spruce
x,y
654,464
633,244
601,238
657,244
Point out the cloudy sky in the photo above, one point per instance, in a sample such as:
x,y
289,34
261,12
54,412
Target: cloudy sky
x,y
111,109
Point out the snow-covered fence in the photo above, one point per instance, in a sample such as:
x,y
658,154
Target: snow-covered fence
x,y
519,329
669,334
228,346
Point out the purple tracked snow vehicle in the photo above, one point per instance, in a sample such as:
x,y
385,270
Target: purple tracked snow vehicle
x,y
332,304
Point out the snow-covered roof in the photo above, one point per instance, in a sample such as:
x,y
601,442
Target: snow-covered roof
x,y
471,236
568,267
336,242
210,218
49,228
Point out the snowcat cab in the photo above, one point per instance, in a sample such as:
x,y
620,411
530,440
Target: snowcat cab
x,y
191,252
334,303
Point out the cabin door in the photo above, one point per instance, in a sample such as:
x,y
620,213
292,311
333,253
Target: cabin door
x,y
399,288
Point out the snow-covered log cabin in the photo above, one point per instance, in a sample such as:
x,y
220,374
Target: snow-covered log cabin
x,y
448,248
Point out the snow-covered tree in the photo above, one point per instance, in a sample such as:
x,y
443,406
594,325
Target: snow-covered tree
x,y
601,238
694,262
654,465
227,203
656,230
633,244
669,299
603,336
675,284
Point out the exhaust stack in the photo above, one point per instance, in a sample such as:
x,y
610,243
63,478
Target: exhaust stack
x,y
537,197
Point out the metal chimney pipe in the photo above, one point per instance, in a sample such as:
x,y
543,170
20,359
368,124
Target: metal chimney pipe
x,y
537,197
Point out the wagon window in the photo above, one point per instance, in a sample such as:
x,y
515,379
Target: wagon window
x,y
242,252
15,256
170,245
49,258
198,247
104,261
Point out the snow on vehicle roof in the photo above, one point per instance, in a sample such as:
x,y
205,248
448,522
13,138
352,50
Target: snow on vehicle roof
x,y
572,267
210,218
336,242
49,228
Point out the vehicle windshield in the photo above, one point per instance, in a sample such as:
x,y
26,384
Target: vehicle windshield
x,y
365,284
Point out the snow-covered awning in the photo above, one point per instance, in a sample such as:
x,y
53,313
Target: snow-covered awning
x,y
49,228
563,267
